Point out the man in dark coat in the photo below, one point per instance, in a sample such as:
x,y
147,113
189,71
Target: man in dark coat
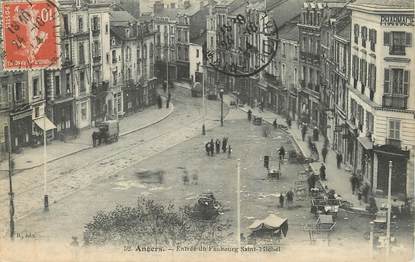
x,y
212,147
303,131
224,144
323,172
311,182
217,144
159,102
324,152
249,115
207,148
339,159
281,153
354,180
281,200
94,139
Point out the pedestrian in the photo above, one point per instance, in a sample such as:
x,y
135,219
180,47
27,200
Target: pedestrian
x,y
94,139
281,200
217,143
75,242
290,198
229,151
311,182
289,122
185,179
354,182
303,132
339,159
324,152
274,124
207,148
323,172
159,102
164,87
281,153
249,115
212,147
224,144
261,106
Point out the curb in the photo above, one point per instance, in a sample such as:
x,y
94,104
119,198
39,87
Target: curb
x,y
90,147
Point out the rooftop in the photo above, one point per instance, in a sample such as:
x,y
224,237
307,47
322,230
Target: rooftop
x,y
289,31
167,12
394,4
121,17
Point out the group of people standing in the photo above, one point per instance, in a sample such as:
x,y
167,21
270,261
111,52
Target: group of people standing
x,y
289,196
213,146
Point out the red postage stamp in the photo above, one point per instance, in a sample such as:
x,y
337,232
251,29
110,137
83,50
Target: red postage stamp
x,y
30,39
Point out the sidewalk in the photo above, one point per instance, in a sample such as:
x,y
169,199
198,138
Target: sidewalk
x,y
337,179
33,157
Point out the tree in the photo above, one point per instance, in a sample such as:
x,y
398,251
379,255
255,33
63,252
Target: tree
x,y
154,225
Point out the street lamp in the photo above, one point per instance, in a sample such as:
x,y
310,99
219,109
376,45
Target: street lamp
x,y
203,104
221,106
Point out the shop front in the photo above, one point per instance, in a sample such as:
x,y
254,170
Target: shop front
x,y
365,157
63,118
21,131
399,158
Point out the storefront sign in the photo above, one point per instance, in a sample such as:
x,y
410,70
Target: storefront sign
x,y
397,20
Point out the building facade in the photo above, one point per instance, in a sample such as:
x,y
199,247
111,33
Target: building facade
x,y
381,95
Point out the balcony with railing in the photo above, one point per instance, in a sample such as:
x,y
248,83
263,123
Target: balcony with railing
x,y
67,62
393,142
309,57
273,80
395,101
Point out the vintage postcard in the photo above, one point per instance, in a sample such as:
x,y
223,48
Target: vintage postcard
x,y
207,130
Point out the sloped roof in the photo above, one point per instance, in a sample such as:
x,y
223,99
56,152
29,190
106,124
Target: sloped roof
x,y
121,17
289,30
168,12
283,11
395,4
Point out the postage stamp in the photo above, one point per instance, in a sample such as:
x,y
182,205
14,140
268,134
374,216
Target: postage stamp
x,y
30,35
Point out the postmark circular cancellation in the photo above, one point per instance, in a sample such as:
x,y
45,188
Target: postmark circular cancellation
x,y
30,35
245,44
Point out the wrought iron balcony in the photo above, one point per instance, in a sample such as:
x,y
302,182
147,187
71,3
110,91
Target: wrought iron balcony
x,y
95,30
395,101
67,62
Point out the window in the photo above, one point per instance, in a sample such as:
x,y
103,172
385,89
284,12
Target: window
x,y
81,54
35,87
283,73
369,122
95,23
197,66
363,71
372,39
20,92
397,41
68,83
197,54
106,28
364,36
65,24
67,53
283,49
394,129
84,110
396,81
57,86
82,82
80,24
356,33
295,75
95,49
114,56
37,112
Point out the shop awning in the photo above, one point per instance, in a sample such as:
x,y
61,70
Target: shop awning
x,y
365,142
44,123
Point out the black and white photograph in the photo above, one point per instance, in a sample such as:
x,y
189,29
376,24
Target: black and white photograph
x,y
207,130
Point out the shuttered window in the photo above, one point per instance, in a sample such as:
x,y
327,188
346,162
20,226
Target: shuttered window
x,y
356,33
386,82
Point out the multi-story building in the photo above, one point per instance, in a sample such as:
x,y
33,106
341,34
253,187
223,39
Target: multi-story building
x,y
182,42
382,94
100,71
196,62
282,75
165,42
335,74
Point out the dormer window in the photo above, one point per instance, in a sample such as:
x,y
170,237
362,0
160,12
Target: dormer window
x,y
113,41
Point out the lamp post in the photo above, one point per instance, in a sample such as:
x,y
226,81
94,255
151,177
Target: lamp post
x,y
221,106
46,197
11,168
238,204
203,104
388,225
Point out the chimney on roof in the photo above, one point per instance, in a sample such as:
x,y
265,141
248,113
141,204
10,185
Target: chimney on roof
x,y
158,7
186,4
